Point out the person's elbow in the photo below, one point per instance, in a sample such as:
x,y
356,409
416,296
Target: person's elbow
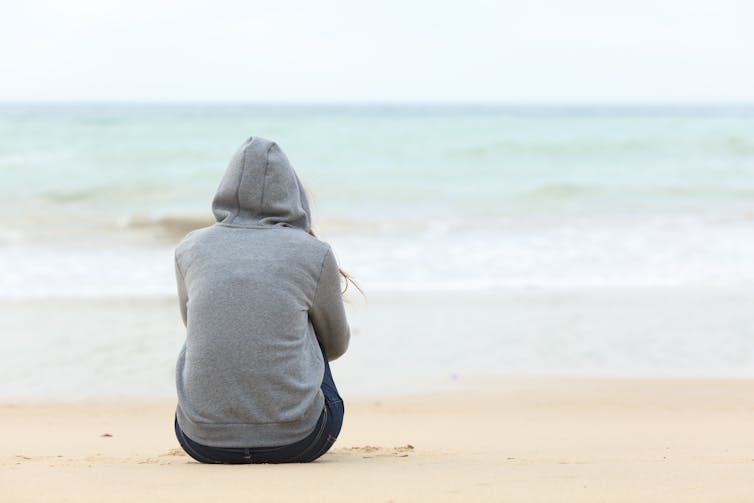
x,y
339,346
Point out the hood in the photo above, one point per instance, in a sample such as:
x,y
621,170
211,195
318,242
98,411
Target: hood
x,y
260,187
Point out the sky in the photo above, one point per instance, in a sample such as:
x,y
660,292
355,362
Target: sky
x,y
472,51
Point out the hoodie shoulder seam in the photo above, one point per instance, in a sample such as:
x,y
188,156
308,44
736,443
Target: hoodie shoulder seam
x,y
178,267
328,250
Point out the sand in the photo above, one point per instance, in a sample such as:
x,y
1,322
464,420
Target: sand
x,y
503,439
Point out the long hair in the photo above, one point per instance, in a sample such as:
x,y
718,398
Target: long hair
x,y
346,277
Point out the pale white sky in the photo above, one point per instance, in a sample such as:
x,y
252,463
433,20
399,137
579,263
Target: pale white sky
x,y
569,51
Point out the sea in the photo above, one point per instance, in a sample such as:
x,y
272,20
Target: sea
x,y
416,200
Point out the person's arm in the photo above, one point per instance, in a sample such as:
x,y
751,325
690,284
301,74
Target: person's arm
x,y
327,313
182,294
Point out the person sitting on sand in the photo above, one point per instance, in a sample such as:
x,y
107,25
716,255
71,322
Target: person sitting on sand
x,y
260,296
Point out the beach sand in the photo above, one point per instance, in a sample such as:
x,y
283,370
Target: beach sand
x,y
502,439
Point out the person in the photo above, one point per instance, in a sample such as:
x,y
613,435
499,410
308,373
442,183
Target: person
x,y
260,296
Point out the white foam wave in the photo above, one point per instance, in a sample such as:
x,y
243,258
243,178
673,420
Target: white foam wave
x,y
665,252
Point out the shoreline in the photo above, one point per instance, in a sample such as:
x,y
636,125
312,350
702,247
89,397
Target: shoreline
x,y
518,439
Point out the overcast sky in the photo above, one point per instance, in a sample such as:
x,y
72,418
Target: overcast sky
x,y
570,51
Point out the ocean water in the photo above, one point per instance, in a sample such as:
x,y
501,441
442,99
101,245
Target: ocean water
x,y
412,198
490,239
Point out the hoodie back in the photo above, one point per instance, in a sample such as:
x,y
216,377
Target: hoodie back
x,y
258,296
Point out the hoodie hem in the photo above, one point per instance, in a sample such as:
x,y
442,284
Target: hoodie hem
x,y
251,435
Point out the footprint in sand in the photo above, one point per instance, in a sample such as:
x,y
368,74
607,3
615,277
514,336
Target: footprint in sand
x,y
400,451
170,452
173,452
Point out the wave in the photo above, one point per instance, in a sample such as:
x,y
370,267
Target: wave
x,y
172,227
118,191
556,192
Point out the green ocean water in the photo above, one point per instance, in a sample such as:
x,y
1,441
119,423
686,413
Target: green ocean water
x,y
415,197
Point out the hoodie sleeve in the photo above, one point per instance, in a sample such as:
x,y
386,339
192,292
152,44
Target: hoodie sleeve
x,y
327,313
182,294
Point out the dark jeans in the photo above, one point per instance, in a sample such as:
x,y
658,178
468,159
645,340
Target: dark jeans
x,y
310,448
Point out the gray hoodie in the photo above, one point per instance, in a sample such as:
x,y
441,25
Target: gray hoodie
x,y
258,296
